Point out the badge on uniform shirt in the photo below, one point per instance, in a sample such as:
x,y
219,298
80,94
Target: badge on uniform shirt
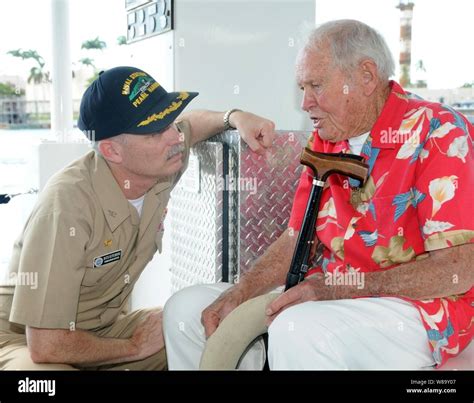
x,y
108,258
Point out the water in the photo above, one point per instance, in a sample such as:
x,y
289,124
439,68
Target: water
x,y
17,158
18,173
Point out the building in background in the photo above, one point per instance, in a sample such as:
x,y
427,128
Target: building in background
x,y
406,17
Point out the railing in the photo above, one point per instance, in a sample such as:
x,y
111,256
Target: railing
x,y
19,113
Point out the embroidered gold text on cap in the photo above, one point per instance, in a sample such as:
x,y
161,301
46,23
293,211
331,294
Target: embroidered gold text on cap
x,y
158,116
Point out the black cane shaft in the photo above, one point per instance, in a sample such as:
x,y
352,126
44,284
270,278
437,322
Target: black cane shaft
x,y
301,255
323,165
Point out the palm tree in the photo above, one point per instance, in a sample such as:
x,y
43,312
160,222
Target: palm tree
x,y
94,44
37,73
27,54
38,76
420,67
87,61
121,40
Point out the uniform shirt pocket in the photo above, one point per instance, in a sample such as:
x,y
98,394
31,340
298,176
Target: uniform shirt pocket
x,y
102,268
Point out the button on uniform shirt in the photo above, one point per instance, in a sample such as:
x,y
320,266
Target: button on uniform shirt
x,y
88,245
418,198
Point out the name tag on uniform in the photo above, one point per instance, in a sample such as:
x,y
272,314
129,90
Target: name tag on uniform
x,y
108,258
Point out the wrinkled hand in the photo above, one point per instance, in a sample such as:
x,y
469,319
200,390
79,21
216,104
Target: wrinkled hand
x,y
311,289
256,131
215,313
148,336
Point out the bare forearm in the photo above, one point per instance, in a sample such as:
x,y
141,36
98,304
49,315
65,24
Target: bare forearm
x,y
271,268
444,273
78,347
204,124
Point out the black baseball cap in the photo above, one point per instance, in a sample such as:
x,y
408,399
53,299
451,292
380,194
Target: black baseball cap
x,y
128,100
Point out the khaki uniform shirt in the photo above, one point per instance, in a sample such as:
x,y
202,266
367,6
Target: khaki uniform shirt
x,y
86,245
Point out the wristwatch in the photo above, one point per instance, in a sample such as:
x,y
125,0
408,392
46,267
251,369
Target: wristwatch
x,y
227,125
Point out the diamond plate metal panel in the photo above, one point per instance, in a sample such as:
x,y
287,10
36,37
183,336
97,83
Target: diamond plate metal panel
x,y
196,218
265,210
243,205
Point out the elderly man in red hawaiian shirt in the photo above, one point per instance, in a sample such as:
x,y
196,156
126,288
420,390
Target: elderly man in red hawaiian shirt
x,y
394,286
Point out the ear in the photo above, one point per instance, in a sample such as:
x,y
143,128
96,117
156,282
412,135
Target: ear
x,y
369,76
111,150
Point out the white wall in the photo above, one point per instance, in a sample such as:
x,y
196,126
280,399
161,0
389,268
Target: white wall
x,y
235,53
242,54
153,288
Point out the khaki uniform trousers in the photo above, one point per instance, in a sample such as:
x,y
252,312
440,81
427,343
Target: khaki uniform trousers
x,y
14,353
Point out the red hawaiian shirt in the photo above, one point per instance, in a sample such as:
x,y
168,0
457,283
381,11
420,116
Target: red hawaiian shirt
x,y
418,198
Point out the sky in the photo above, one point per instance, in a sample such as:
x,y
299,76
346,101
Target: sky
x,y
441,36
88,19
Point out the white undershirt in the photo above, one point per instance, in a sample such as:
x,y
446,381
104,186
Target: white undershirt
x,y
356,143
138,204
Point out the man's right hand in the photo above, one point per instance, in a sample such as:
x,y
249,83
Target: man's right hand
x,y
148,336
268,272
215,313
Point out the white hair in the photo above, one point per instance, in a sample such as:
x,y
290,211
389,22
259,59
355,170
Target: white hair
x,y
95,146
121,138
350,42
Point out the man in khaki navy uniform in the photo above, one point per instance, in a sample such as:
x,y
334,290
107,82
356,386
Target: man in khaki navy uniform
x,y
98,223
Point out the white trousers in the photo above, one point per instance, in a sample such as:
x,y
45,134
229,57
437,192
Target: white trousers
x,y
364,333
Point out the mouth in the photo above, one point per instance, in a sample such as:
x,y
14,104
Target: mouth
x,y
316,122
175,150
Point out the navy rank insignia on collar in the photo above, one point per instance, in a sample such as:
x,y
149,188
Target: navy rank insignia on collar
x,y
108,258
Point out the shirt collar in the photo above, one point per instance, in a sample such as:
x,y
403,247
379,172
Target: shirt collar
x,y
115,206
356,143
390,119
160,186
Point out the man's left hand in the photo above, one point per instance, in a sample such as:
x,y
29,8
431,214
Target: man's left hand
x,y
256,131
311,289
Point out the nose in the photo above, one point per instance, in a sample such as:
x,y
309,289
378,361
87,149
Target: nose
x,y
308,100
